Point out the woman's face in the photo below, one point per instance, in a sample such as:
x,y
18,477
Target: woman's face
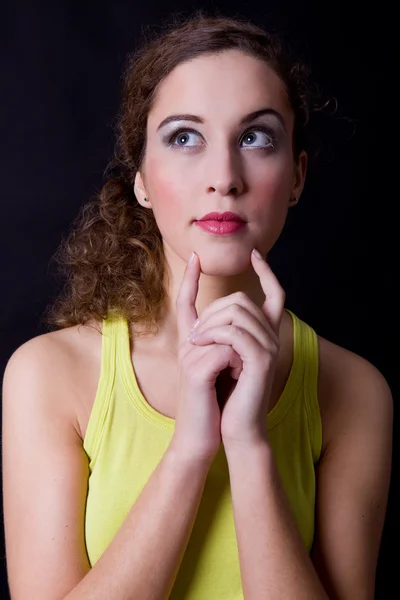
x,y
221,163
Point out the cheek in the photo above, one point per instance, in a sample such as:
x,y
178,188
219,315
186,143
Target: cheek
x,y
162,180
167,197
271,188
273,180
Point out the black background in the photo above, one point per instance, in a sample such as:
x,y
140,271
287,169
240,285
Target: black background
x,y
337,257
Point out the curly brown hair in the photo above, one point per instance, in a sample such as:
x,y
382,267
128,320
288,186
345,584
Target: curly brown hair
x,y
113,260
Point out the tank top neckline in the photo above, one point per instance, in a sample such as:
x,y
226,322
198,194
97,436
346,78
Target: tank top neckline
x,y
120,332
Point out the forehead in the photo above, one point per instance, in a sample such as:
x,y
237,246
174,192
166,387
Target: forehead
x,y
221,86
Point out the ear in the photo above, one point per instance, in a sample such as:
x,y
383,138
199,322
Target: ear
x,y
300,170
140,190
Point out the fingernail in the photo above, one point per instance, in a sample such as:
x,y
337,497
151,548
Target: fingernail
x,y
192,257
197,321
256,253
192,336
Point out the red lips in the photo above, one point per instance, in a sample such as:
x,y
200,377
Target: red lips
x,y
226,216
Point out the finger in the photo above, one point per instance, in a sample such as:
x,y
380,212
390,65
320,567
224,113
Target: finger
x,y
237,315
186,312
274,294
246,346
208,361
232,301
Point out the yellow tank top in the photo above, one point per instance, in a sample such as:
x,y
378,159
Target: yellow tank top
x,y
126,438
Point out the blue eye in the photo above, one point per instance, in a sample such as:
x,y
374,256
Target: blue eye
x,y
180,135
268,136
178,138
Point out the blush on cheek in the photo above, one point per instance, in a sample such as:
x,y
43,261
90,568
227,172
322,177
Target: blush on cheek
x,y
272,191
163,183
273,180
167,198
282,181
166,193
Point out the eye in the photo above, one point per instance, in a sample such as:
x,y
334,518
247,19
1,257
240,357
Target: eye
x,y
263,134
268,137
181,136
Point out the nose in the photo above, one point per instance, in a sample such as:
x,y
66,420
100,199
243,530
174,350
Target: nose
x,y
224,174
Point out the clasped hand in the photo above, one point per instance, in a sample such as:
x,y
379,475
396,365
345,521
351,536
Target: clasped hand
x,y
248,344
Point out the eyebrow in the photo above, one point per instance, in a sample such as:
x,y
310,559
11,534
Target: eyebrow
x,y
244,121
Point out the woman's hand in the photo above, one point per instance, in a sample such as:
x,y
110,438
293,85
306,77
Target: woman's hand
x,y
253,334
198,418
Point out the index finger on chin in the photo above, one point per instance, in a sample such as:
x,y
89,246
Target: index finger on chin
x,y
186,312
275,296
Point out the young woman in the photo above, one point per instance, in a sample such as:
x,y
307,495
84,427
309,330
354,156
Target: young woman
x,y
181,434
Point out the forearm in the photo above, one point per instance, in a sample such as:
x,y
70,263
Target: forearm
x,y
144,557
274,562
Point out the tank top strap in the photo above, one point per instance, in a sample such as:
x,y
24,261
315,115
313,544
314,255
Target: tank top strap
x,y
309,351
102,401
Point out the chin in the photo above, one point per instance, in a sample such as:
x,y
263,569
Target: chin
x,y
224,264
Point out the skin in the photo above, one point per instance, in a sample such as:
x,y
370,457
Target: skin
x,y
51,380
251,337
223,170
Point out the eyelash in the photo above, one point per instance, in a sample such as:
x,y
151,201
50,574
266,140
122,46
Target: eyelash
x,y
260,128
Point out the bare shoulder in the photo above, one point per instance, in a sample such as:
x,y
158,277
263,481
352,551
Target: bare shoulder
x,y
353,473
45,467
67,362
70,343
349,386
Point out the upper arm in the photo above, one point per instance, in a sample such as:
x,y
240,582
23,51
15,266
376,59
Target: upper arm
x,y
353,478
45,474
